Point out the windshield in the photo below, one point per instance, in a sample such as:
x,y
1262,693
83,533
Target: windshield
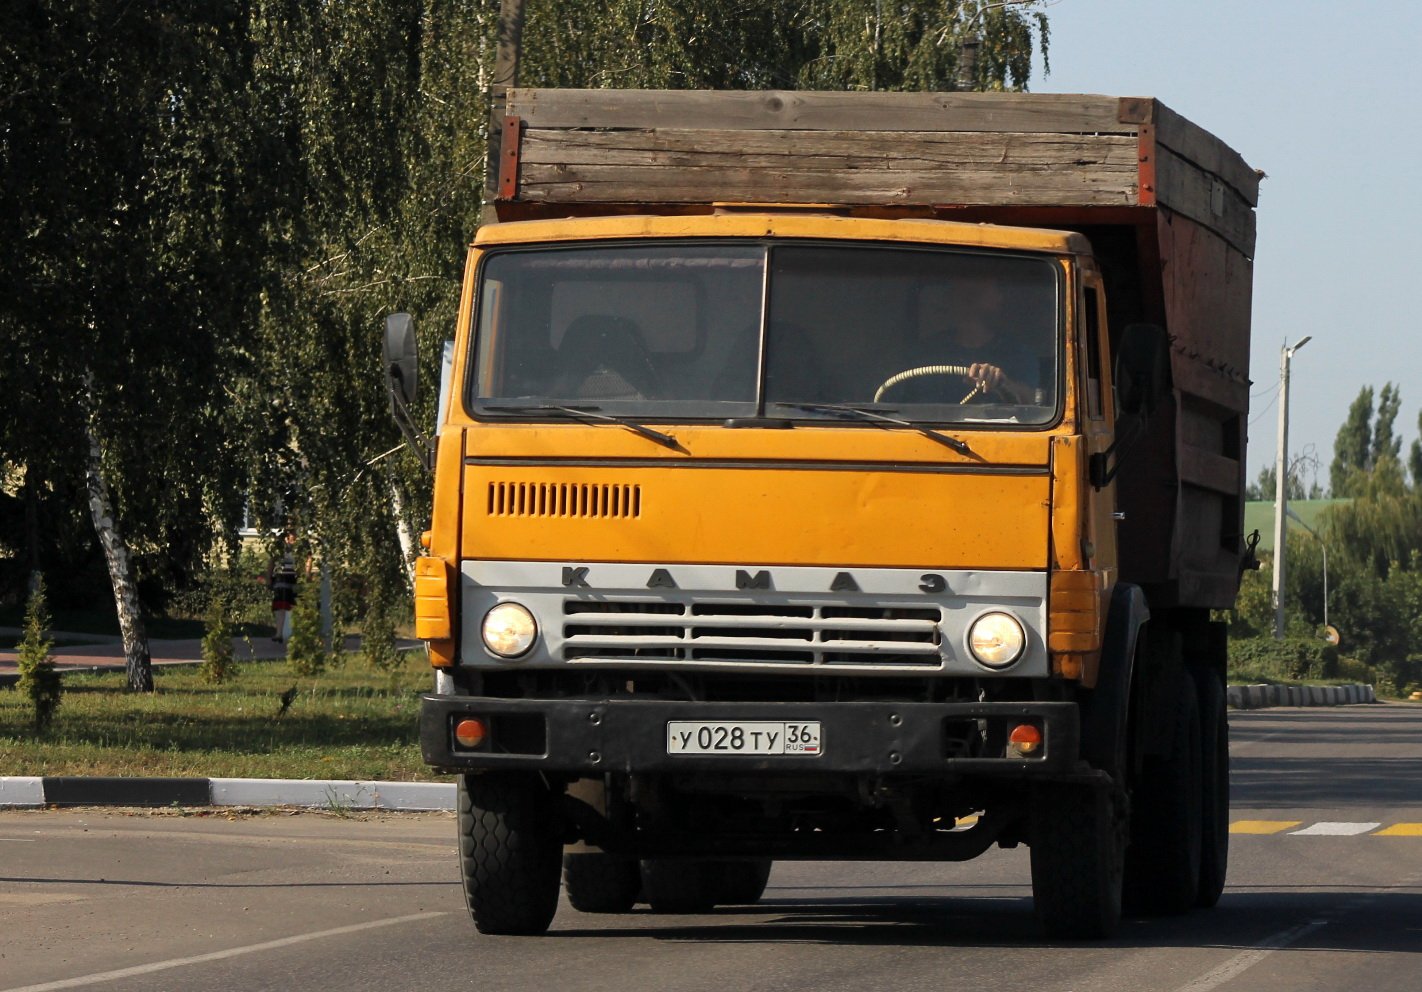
x,y
790,330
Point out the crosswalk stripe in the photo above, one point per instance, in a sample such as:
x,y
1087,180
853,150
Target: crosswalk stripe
x,y
1262,826
1332,829
1324,828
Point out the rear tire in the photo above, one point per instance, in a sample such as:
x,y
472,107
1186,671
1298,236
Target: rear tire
x,y
1163,860
739,883
601,883
509,852
679,886
1214,806
1077,839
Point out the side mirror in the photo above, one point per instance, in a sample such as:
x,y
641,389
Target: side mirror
x,y
401,360
401,374
1142,369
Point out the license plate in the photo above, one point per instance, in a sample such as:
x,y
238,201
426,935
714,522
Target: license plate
x,y
742,737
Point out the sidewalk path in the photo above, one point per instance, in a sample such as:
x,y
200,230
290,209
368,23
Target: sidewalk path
x,y
104,652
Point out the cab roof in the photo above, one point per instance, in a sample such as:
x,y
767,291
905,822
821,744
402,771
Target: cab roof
x,y
740,224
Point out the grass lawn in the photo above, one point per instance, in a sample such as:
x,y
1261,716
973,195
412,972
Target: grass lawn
x,y
348,723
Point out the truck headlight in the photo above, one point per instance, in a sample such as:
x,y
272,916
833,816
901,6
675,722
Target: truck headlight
x,y
509,630
996,639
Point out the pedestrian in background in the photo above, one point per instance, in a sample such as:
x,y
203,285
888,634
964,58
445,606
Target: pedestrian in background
x,y
283,584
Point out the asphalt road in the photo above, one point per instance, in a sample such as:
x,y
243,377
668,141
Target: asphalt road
x,y
1325,892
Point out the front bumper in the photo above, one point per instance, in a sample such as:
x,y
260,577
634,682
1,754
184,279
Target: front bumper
x,y
596,737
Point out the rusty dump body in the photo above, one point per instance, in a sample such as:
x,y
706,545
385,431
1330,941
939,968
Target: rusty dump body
x,y
1167,207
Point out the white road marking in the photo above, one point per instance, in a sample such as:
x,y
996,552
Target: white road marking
x,y
1248,959
231,952
1331,829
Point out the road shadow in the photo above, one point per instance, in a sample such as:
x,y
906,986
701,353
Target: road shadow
x,y
1351,922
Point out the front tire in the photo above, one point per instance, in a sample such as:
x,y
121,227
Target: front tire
x,y
1077,840
510,852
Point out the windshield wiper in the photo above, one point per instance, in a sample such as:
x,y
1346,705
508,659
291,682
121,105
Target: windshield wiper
x,y
591,413
850,412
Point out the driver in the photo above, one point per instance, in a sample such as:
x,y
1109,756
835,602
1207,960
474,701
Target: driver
x,y
975,318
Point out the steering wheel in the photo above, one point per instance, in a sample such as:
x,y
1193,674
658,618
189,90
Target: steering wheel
x,y
926,370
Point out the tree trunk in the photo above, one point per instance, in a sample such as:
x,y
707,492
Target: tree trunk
x,y
137,661
408,551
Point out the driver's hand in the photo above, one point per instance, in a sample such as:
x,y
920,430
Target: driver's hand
x,y
985,375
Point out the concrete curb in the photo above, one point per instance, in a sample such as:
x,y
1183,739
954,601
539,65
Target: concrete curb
x,y
1256,697
30,791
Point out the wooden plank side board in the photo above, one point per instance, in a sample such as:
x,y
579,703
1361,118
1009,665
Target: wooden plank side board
x,y
680,165
940,185
899,150
1194,144
1210,470
1205,199
1209,331
816,110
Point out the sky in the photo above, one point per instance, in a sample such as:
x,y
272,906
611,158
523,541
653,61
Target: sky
x,y
1326,98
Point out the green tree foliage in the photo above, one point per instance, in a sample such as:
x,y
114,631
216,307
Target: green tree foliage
x,y
1386,445
130,182
1382,526
211,206
1290,659
38,678
1352,447
378,642
782,44
1414,460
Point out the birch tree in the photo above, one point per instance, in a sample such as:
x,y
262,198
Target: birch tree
x,y
131,164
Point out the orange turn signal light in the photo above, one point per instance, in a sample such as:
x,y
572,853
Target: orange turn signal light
x,y
470,733
1025,740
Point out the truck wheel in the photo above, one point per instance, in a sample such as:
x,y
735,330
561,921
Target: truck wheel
x,y
678,886
739,883
1077,840
1214,775
1163,860
601,883
510,852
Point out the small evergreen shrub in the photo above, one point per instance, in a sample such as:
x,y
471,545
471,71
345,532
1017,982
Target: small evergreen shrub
x,y
305,650
218,664
38,678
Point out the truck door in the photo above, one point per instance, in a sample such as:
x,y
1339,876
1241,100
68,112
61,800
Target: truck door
x,y
1098,418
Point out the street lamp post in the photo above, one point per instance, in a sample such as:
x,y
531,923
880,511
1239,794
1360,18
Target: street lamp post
x,y
1281,484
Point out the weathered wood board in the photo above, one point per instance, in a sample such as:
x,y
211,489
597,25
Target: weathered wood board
x,y
620,148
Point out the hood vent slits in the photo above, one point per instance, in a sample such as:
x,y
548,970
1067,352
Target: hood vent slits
x,y
565,499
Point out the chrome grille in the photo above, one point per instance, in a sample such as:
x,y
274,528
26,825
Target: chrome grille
x,y
794,633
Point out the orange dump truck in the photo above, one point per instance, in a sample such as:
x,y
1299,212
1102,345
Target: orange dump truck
x,y
839,476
